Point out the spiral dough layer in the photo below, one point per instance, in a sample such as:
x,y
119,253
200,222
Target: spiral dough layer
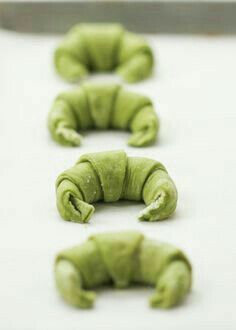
x,y
103,47
95,106
122,259
111,176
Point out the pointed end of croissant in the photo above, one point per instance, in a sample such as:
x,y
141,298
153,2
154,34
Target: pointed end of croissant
x,y
153,211
80,211
68,283
142,138
157,301
69,68
69,136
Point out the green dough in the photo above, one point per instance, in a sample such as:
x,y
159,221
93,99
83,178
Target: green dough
x,y
102,107
111,176
122,259
103,47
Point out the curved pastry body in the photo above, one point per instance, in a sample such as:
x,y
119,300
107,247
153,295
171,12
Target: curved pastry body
x,y
112,176
122,259
103,47
102,107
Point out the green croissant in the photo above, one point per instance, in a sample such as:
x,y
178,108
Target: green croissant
x,y
122,259
112,176
102,107
103,47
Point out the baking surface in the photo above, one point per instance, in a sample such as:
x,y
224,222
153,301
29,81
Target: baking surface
x,y
194,92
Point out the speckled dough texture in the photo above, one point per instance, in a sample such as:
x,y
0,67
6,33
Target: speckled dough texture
x,y
102,106
89,48
111,176
122,259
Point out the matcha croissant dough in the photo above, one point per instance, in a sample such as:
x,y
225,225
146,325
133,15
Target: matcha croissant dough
x,y
103,47
111,176
122,259
102,107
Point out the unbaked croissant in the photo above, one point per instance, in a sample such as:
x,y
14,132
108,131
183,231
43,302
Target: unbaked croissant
x,y
112,176
103,47
102,107
122,259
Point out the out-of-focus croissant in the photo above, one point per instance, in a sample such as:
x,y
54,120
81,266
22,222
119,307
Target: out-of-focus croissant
x,y
103,47
102,107
122,259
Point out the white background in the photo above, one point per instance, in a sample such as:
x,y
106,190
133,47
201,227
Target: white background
x,y
194,91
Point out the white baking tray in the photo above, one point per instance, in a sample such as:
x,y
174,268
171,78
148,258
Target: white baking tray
x,y
193,89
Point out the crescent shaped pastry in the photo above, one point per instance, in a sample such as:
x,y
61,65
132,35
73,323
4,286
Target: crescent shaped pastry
x,y
122,259
111,176
90,48
94,106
